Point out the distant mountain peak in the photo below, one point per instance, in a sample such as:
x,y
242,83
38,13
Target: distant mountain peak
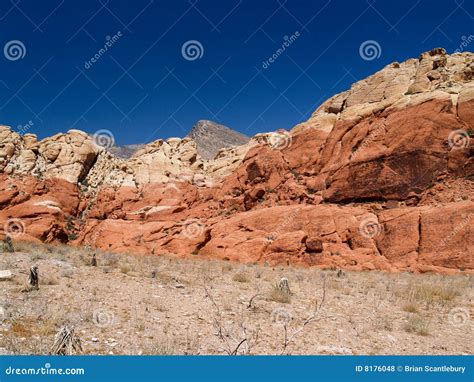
x,y
210,137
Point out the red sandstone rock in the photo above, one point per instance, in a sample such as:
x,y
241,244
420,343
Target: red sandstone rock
x,y
372,181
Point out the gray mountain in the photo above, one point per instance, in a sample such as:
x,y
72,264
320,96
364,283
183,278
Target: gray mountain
x,y
125,151
210,137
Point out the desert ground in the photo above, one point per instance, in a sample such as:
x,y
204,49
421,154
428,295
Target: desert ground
x,y
136,304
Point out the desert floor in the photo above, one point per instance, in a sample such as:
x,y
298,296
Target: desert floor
x,y
159,305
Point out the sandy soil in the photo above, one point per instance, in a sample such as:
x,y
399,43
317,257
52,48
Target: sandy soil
x,y
158,305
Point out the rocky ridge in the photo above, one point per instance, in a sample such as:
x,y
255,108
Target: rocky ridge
x,y
380,177
210,137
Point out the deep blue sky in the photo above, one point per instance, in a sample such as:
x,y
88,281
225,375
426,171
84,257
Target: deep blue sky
x,y
143,89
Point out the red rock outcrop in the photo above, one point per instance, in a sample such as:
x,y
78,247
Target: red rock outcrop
x,y
380,177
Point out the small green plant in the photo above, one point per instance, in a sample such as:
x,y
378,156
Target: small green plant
x,y
72,236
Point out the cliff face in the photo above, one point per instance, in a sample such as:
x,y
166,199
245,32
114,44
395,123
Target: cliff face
x,y
380,177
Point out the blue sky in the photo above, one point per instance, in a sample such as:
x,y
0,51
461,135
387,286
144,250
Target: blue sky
x,y
143,88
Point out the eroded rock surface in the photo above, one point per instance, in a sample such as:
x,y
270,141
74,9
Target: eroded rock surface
x,y
380,177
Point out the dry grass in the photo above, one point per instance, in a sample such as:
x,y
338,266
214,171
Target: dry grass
x,y
385,323
435,290
167,312
410,307
125,268
163,346
28,327
241,277
48,280
417,324
278,295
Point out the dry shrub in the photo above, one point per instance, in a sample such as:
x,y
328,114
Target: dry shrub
x,y
227,268
69,273
37,256
125,268
277,295
384,323
108,259
241,277
163,346
49,280
417,324
410,307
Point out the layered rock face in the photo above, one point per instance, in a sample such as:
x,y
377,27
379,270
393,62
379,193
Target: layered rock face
x,y
380,177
